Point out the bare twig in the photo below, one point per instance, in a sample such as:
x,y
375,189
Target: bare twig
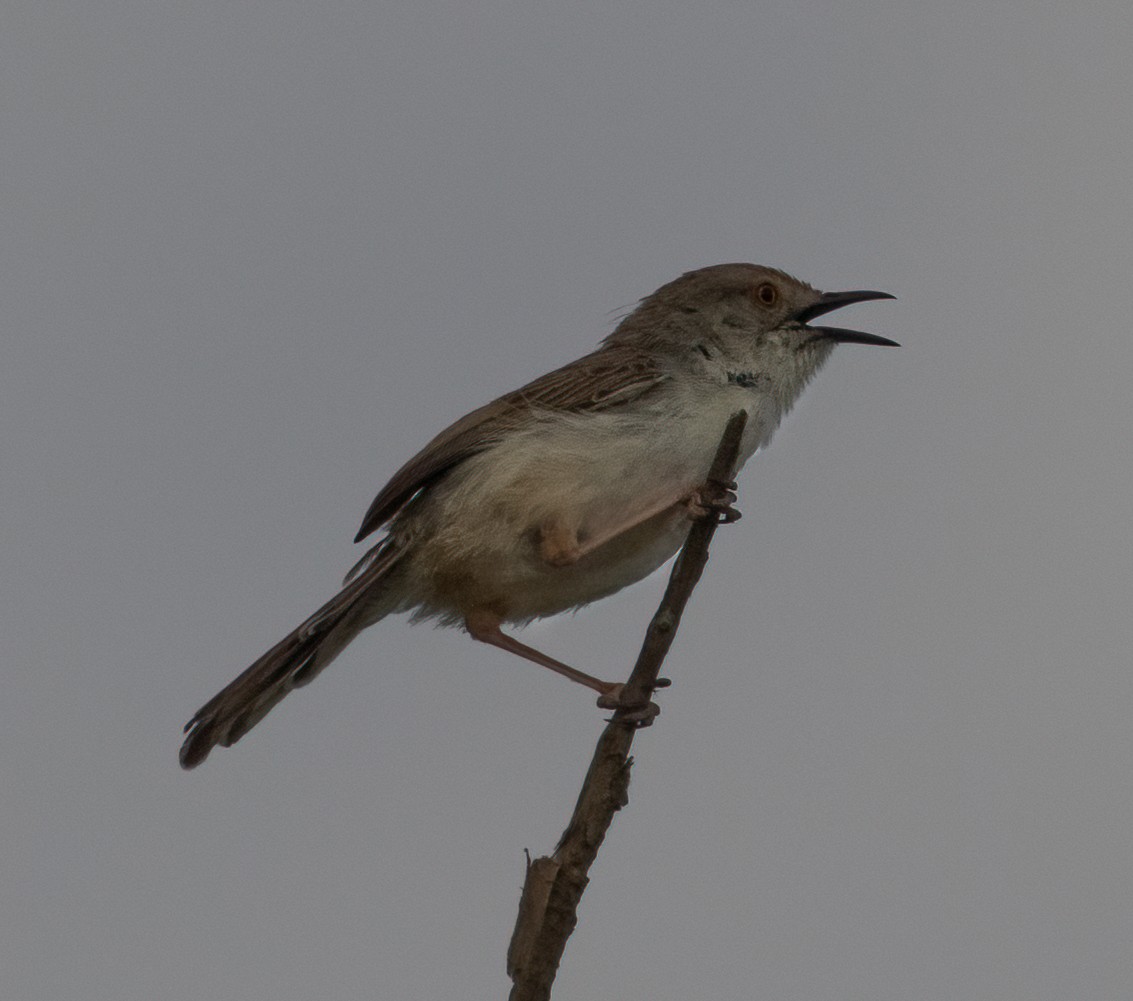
x,y
548,906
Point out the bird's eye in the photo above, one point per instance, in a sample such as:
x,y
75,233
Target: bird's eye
x,y
767,294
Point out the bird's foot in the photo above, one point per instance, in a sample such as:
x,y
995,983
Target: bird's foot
x,y
636,713
713,502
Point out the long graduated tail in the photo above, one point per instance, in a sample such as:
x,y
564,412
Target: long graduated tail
x,y
295,660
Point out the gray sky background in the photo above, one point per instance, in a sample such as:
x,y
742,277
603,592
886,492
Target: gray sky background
x,y
253,255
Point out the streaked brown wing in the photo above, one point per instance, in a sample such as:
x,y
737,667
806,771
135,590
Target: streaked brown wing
x,y
606,378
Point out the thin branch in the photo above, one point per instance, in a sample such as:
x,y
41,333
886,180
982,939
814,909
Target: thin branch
x,y
548,905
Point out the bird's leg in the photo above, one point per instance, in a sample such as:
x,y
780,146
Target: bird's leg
x,y
713,502
560,544
484,625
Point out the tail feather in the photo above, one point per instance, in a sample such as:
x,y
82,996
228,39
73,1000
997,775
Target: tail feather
x,y
292,663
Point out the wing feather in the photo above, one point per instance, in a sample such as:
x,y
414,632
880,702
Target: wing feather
x,y
609,377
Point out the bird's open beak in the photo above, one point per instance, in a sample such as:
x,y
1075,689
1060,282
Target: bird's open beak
x,y
828,302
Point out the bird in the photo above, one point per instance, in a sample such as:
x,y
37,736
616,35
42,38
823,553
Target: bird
x,y
568,489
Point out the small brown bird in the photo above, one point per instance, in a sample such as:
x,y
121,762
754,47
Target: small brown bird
x,y
569,488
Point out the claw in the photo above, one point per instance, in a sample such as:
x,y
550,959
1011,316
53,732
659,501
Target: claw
x,y
713,502
637,716
633,714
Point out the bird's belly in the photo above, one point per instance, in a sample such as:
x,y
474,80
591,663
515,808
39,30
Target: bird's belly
x,y
521,586
477,532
